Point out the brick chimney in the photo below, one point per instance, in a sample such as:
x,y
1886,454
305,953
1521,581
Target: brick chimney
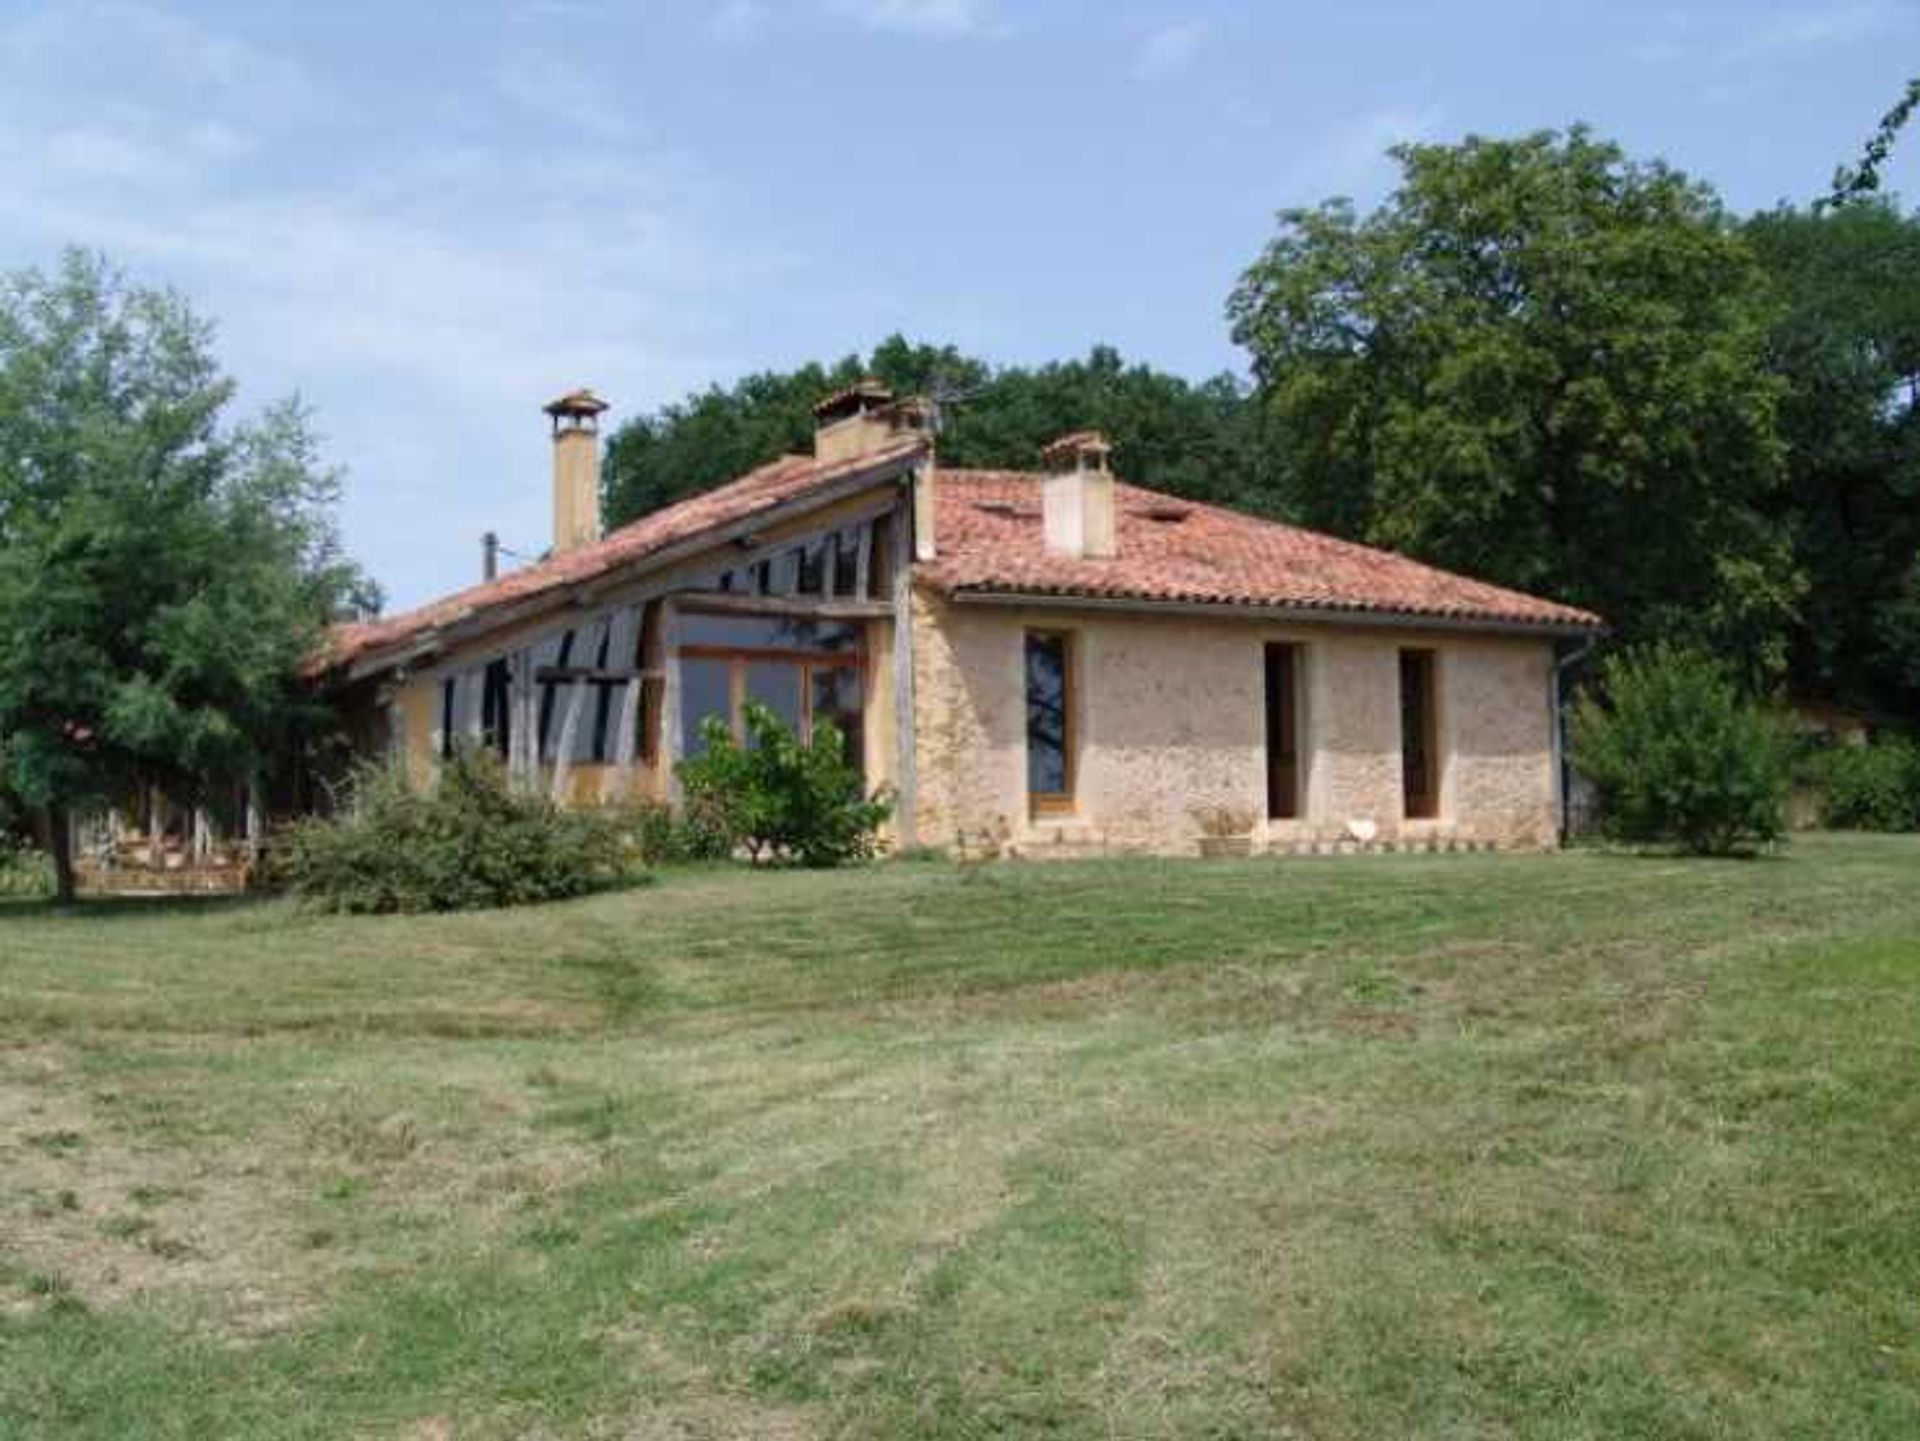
x,y
1076,497
864,417
576,469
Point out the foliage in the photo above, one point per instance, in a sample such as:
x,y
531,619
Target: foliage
x,y
657,835
781,798
1541,363
1677,753
162,573
1845,342
1852,183
1870,788
468,842
1192,439
24,871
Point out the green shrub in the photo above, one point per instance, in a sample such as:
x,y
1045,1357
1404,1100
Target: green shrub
x,y
656,836
467,842
1870,788
24,871
780,799
1677,754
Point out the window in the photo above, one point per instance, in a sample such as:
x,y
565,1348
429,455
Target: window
x,y
802,668
836,698
846,560
447,712
1419,737
813,567
496,707
836,564
1049,722
706,689
1283,732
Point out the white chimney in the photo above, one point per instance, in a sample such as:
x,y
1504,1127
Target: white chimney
x,y
576,469
1076,498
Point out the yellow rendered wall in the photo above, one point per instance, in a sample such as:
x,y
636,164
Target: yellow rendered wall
x,y
1170,721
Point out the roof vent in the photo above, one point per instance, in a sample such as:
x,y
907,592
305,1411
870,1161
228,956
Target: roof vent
x,y
1166,514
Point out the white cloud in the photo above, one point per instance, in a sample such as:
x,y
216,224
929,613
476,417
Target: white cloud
x,y
1352,159
1171,47
425,297
925,17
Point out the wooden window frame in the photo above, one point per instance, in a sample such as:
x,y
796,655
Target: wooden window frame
x,y
1054,804
1421,804
806,662
1281,705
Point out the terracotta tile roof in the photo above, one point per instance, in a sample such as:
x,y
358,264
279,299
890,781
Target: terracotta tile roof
x,y
790,478
990,540
1173,550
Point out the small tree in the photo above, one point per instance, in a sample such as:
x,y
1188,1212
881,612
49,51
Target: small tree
x,y
1679,754
780,798
162,573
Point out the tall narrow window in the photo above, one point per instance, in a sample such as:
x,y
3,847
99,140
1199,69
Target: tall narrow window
x,y
447,693
1419,736
1049,723
496,707
1283,732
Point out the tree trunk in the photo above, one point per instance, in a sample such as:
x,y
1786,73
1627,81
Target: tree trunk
x,y
60,846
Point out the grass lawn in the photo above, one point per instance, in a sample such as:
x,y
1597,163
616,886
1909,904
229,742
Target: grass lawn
x,y
1556,1147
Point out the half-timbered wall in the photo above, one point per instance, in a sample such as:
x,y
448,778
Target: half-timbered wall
x,y
581,708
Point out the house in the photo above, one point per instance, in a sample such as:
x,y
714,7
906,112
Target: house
x,y
1037,662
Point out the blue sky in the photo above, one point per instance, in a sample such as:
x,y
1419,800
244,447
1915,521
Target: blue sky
x,y
429,219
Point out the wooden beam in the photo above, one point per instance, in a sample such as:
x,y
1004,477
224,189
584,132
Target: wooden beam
x,y
670,748
902,609
722,602
523,756
563,748
593,675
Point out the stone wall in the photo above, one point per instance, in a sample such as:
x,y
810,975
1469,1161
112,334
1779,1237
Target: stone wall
x,y
1170,723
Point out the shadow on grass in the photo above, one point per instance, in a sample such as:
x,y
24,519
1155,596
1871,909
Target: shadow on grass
x,y
104,908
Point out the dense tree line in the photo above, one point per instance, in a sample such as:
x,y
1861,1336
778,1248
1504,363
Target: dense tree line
x,y
1539,361
1192,438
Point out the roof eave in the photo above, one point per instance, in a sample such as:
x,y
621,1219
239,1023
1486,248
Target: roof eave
x,y
563,594
1264,610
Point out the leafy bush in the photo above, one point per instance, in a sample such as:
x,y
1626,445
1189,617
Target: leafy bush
x,y
1677,753
24,871
1870,788
656,836
780,799
467,842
